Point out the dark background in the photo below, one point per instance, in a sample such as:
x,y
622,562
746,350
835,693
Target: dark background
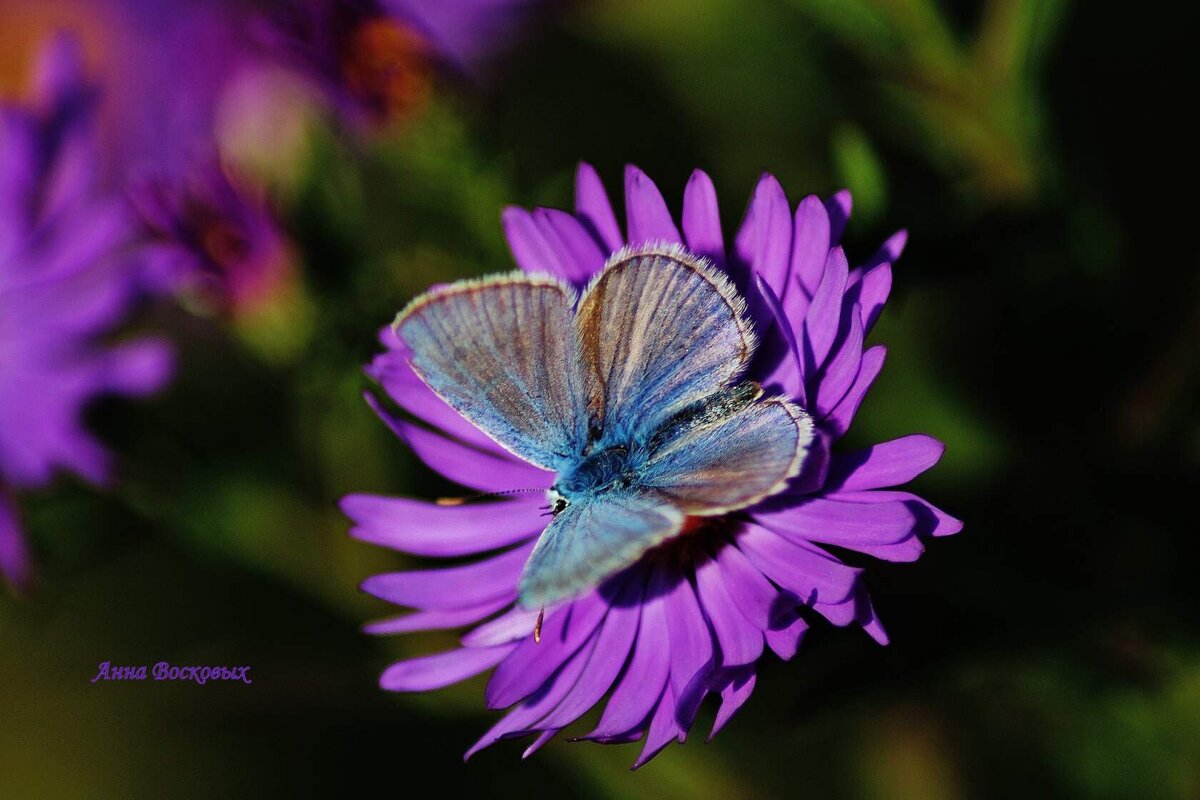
x,y
1045,323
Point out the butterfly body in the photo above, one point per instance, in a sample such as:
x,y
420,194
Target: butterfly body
x,y
631,396
614,467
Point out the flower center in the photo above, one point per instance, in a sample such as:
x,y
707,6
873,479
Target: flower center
x,y
224,245
386,65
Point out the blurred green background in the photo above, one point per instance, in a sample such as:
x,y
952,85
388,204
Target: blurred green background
x,y
1045,324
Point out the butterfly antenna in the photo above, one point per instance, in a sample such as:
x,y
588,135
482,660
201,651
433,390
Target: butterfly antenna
x,y
458,501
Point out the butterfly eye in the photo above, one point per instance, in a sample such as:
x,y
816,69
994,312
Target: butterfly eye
x,y
558,503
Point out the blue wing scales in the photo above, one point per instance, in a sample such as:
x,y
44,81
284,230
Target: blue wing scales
x,y
730,461
503,352
591,539
659,330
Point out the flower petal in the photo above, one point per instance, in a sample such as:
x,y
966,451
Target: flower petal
x,y
883,465
785,641
869,620
550,693
903,552
137,368
765,239
538,743
808,572
740,642
641,685
824,317
702,218
752,594
594,210
578,253
838,207
839,418
871,292
663,728
842,368
563,634
648,219
477,469
810,249
434,620
687,633
427,529
517,623
530,248
733,696
452,587
789,373
931,520
613,645
841,523
442,669
889,252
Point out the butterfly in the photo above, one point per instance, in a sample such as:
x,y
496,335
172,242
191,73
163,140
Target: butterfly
x,y
630,395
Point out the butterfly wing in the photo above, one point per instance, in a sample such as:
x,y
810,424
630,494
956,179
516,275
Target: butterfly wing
x,y
730,455
504,353
592,539
659,329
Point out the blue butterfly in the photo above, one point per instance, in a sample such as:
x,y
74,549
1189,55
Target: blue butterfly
x,y
631,396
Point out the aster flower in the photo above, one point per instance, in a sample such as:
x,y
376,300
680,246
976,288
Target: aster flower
x,y
465,33
214,236
693,616
69,272
368,65
168,69
374,60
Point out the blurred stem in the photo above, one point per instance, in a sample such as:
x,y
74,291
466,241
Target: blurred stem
x,y
976,100
1145,412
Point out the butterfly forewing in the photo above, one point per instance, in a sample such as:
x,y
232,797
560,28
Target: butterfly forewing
x,y
592,539
504,354
659,330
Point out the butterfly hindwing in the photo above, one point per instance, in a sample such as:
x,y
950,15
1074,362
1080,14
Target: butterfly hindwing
x,y
591,539
659,330
726,461
503,352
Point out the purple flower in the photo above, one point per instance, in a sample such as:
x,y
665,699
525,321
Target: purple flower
x,y
694,616
166,66
464,33
374,59
214,237
69,272
170,65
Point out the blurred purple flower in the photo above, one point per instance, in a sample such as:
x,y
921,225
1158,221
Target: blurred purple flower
x,y
171,63
69,273
373,59
370,67
165,66
213,237
465,33
695,615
